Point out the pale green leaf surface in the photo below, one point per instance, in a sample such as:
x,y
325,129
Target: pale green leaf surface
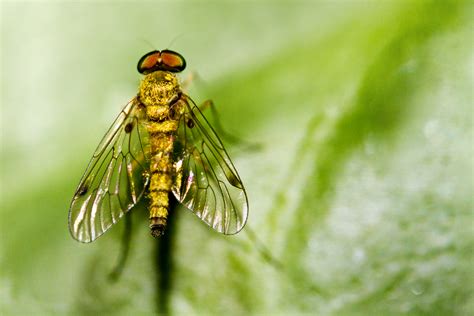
x,y
361,191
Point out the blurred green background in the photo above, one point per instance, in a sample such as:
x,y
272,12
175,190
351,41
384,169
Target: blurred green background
x,y
361,192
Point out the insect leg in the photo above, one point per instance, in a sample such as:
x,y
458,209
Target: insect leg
x,y
188,80
209,104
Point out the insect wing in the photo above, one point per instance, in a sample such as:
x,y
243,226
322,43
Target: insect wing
x,y
206,181
115,179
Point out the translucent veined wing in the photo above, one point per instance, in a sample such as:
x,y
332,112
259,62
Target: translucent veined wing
x,y
206,181
115,178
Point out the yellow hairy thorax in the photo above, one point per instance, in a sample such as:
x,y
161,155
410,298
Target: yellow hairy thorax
x,y
157,91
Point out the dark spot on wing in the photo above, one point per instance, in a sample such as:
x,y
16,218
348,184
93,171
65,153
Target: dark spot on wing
x,y
233,179
128,128
190,123
82,190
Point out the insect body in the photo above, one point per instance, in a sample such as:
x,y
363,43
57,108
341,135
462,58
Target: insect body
x,y
160,144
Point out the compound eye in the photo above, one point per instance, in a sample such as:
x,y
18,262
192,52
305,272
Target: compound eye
x,y
149,62
172,61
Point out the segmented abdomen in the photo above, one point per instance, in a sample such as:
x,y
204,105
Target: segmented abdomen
x,y
161,143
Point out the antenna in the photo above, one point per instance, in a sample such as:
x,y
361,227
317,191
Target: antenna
x,y
174,39
148,43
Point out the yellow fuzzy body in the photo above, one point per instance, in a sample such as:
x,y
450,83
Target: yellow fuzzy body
x,y
160,94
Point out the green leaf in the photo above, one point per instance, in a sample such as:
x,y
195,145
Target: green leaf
x,y
360,192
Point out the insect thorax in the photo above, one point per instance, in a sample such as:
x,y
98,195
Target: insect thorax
x,y
157,91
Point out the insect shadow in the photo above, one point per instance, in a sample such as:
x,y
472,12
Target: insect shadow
x,y
163,257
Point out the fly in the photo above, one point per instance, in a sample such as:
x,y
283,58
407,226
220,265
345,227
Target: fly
x,y
159,145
